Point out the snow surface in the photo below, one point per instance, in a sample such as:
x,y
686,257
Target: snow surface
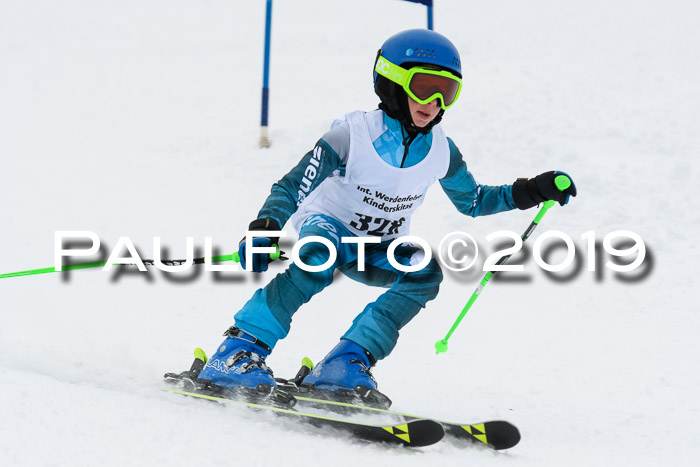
x,y
140,119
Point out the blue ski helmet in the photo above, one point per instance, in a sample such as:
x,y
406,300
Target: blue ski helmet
x,y
408,49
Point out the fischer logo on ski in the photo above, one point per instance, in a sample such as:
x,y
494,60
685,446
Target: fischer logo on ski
x,y
477,431
400,431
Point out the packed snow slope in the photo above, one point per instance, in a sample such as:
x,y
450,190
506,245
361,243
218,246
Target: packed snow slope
x,y
141,119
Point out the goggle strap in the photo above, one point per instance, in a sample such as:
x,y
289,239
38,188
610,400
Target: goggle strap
x,y
390,71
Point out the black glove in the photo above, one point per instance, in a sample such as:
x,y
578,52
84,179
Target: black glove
x,y
260,260
529,192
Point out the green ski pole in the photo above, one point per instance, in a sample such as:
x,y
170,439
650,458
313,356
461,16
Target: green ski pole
x,y
562,182
147,262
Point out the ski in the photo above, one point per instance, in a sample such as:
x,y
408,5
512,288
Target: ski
x,y
293,398
412,433
497,434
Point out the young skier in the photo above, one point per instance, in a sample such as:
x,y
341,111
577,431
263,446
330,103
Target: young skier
x,y
364,178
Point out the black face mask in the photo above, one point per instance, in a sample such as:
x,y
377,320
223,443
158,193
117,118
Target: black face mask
x,y
395,105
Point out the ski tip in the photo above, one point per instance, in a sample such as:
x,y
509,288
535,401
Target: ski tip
x,y
200,355
441,346
497,434
306,362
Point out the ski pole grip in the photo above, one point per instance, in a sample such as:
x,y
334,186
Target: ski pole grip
x,y
275,256
562,182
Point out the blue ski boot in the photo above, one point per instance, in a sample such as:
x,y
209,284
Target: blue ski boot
x,y
344,375
239,363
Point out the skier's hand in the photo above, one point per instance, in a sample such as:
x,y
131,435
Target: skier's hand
x,y
544,187
260,260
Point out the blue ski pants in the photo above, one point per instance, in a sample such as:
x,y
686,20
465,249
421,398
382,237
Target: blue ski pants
x,y
268,314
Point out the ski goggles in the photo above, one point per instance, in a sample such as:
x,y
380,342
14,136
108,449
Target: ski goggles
x,y
422,84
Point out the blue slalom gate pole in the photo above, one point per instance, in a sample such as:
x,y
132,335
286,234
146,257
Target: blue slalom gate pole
x,y
430,15
264,138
